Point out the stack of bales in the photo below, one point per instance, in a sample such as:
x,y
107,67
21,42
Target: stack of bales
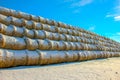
x,y
33,40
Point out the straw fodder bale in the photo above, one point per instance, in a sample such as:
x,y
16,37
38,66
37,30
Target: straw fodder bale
x,y
14,13
63,37
74,39
32,57
12,42
18,31
82,55
62,56
17,21
75,33
43,44
54,45
20,57
65,31
42,20
49,22
6,58
56,36
78,39
78,46
5,19
38,26
35,18
46,27
70,32
40,34
61,45
73,46
51,28
24,15
69,37
72,56
29,24
5,11
29,33
49,35
31,44
44,57
68,46
59,30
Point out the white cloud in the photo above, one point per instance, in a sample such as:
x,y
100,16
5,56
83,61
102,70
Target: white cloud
x,y
92,28
81,3
117,18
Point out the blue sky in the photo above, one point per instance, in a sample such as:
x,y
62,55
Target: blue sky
x,y
99,16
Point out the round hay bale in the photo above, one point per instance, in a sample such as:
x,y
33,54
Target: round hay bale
x,y
5,11
5,19
49,35
24,15
12,42
6,58
40,34
68,46
56,36
79,47
15,13
63,37
35,18
61,45
74,39
78,39
59,30
18,31
32,57
73,46
17,21
46,27
20,57
29,33
29,24
65,31
54,45
62,56
70,32
43,44
38,26
31,44
52,29
44,57
49,22
42,20
69,38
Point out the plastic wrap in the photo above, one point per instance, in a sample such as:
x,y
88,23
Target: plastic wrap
x,y
5,19
17,21
69,38
68,46
29,33
29,24
42,20
54,45
73,46
61,45
49,35
35,18
24,15
62,37
5,11
56,36
38,26
40,34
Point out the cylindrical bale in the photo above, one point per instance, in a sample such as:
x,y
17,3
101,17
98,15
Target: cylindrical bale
x,y
49,35
52,29
73,45
49,22
54,45
42,20
32,57
56,36
43,44
17,21
14,13
46,27
79,47
40,34
62,37
29,24
62,56
38,26
6,58
65,31
75,33
74,39
20,57
7,30
68,46
70,32
44,57
72,56
31,44
29,33
35,18
59,30
69,38
5,11
18,31
24,15
78,39
12,42
82,55
61,45
5,19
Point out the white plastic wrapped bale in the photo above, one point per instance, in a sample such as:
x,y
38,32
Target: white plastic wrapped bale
x,y
24,15
79,47
5,19
46,27
78,39
72,56
5,11
56,36
49,22
35,18
70,32
7,30
17,21
59,30
42,20
62,56
14,13
38,26
20,57
49,35
31,44
65,31
52,29
68,46
62,37
61,45
54,45
40,34
43,44
44,57
6,58
73,46
82,56
32,57
69,38
74,39
18,31
29,33
12,42
29,24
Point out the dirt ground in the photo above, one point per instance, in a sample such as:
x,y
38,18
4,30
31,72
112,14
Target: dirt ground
x,y
101,69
